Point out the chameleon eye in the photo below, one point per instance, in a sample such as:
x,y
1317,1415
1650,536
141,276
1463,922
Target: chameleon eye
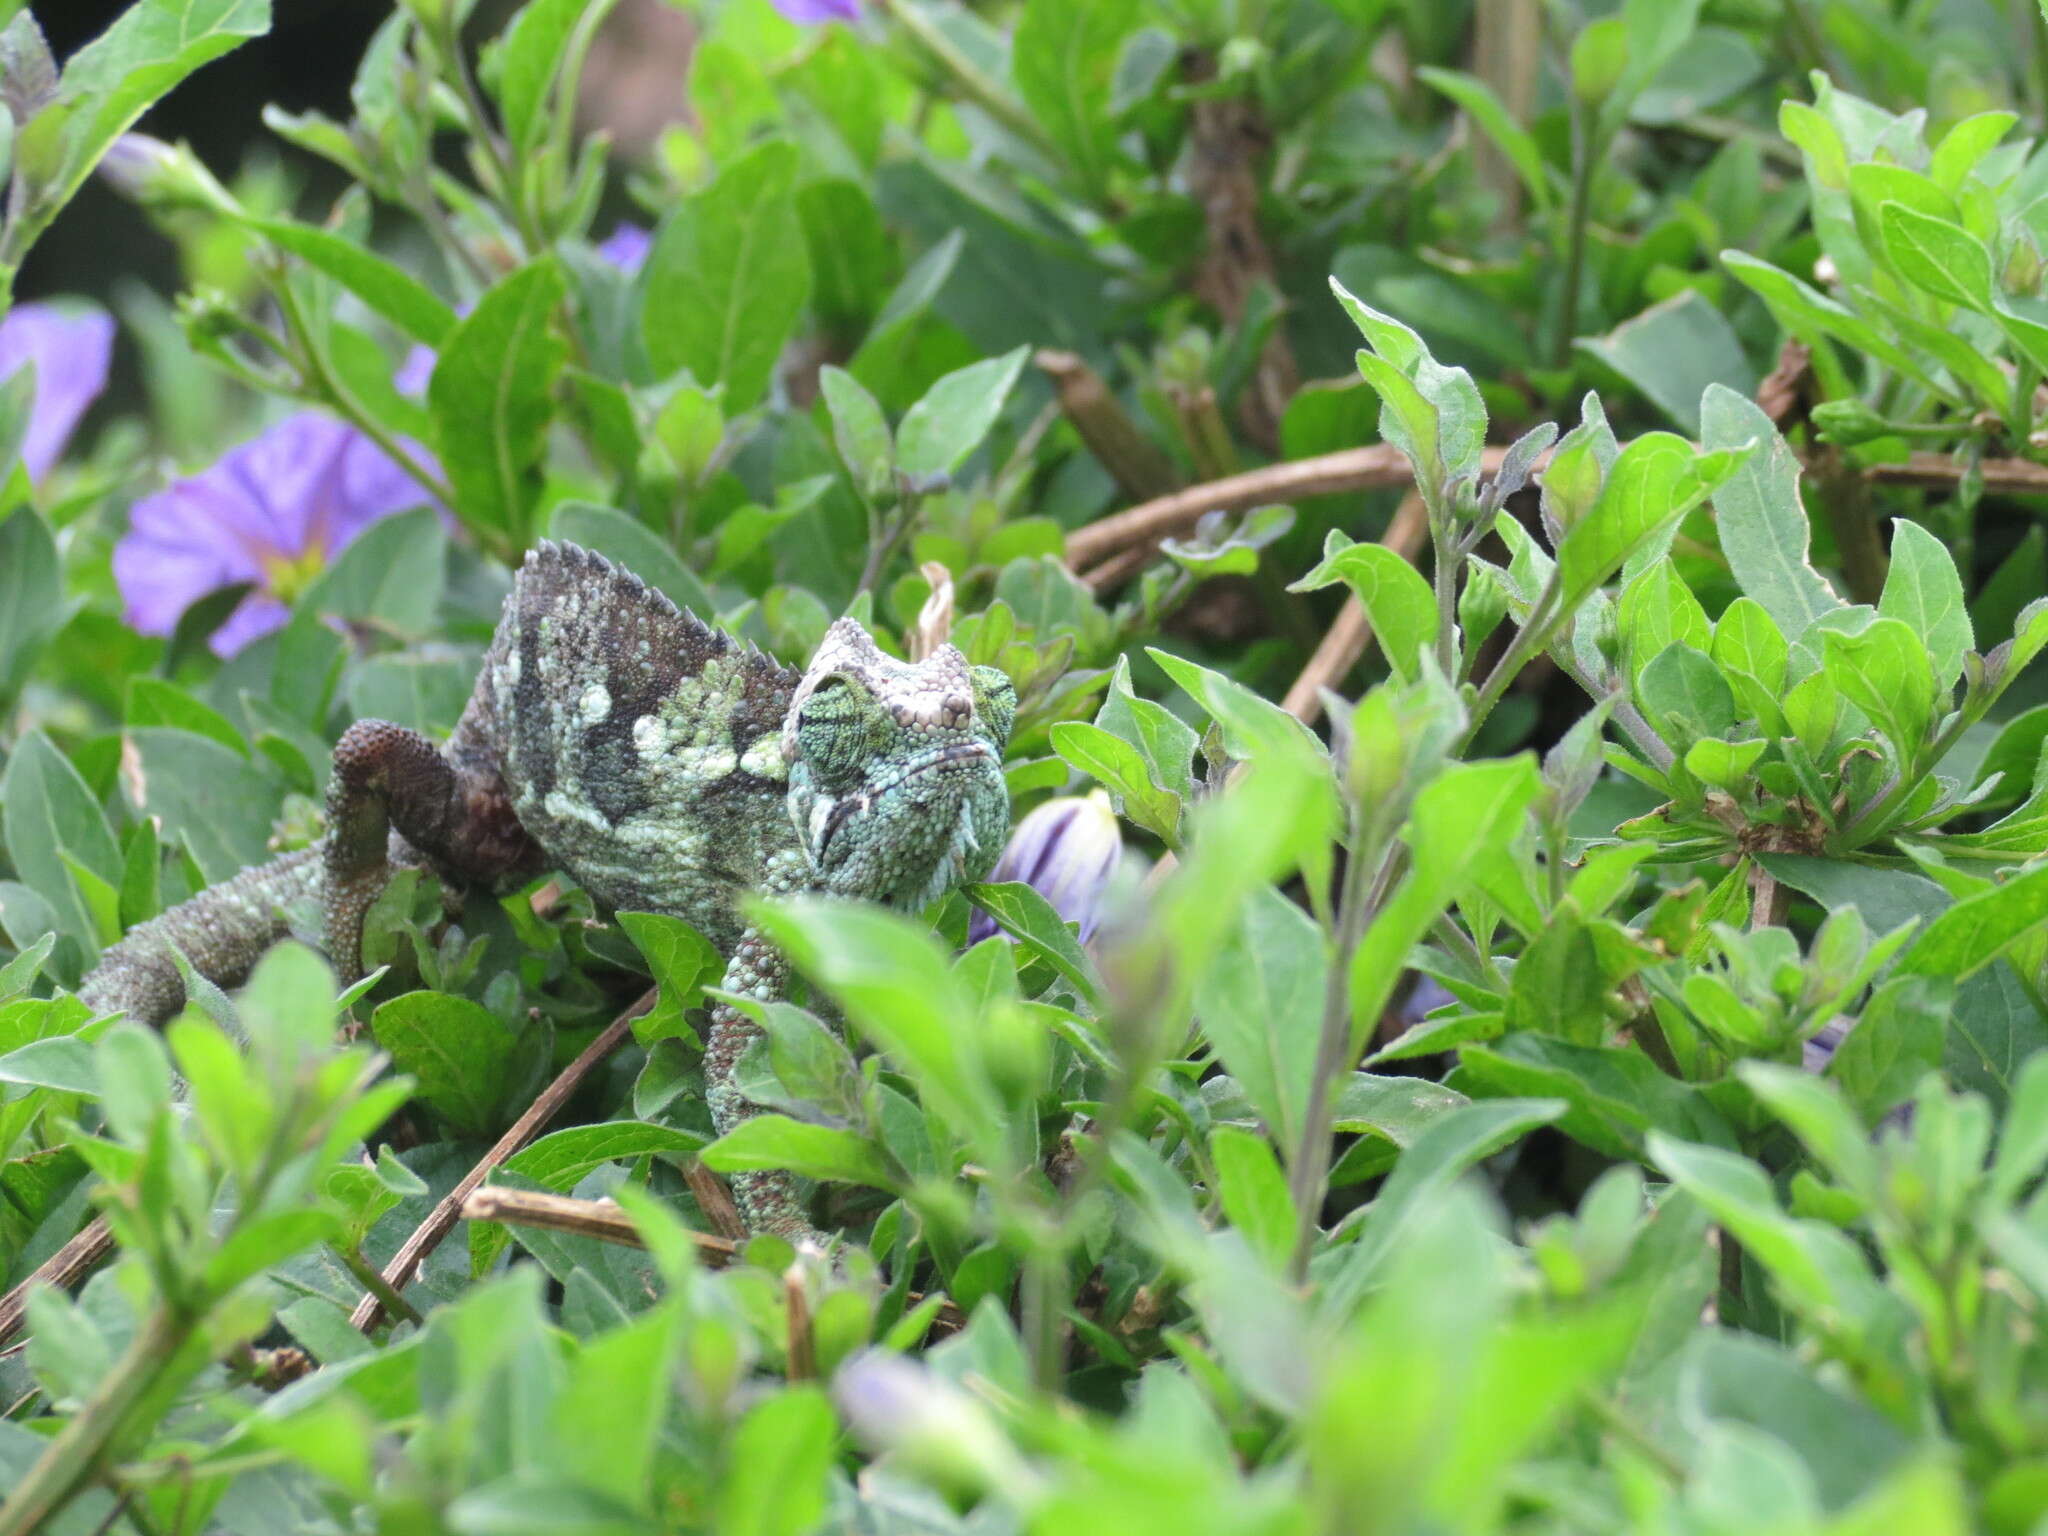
x,y
995,702
832,731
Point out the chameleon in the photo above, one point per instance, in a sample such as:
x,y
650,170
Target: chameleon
x,y
660,764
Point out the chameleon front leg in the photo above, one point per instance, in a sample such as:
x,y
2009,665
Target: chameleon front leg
x,y
768,1199
450,809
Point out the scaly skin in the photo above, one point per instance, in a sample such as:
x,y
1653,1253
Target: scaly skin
x,y
664,768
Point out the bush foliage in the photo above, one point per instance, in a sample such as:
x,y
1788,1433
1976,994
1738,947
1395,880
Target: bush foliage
x,y
1577,1067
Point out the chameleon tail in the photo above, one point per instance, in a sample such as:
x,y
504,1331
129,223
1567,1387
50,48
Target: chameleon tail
x,y
221,931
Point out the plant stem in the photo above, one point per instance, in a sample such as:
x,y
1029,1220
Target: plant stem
x,y
1444,579
64,1467
335,394
351,1256
880,550
974,85
1310,1168
1584,155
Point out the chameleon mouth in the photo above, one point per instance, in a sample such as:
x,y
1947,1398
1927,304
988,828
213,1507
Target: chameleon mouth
x,y
952,755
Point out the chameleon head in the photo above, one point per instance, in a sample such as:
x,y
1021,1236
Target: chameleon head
x,y
895,768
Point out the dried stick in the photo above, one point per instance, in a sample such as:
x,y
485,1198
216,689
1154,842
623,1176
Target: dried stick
x,y
598,1219
67,1267
1349,469
442,1219
603,1221
1381,466
1139,466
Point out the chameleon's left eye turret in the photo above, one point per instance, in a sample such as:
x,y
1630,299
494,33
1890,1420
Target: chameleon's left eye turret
x,y
995,703
838,732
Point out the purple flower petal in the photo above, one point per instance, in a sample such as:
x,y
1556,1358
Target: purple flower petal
x,y
811,13
274,508
1065,850
70,349
626,248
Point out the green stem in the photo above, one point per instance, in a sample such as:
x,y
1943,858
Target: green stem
x,y
1444,578
880,550
1309,1171
63,1469
367,1275
1584,155
334,393
504,175
1528,643
974,85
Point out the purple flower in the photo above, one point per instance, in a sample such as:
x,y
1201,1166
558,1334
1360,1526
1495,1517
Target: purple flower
x,y
1065,850
905,1409
70,349
626,248
811,13
272,511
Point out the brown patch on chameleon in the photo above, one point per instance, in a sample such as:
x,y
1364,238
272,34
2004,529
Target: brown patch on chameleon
x,y
659,763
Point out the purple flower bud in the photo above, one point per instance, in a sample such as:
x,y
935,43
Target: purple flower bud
x,y
626,248
272,511
1066,851
811,13
70,349
136,164
898,1406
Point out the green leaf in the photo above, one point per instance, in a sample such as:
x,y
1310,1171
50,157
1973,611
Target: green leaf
x,y
463,1058
1937,256
1978,929
1819,1270
1884,671
1616,1096
1064,59
1121,769
532,54
492,396
898,990
1465,810
1764,531
1432,413
1261,1006
1491,114
388,290
1395,597
1254,1193
943,428
1436,1160
816,1151
778,1464
1812,316
47,812
859,430
109,83
1684,696
728,278
1651,485
1673,352
1922,590
1025,914
31,594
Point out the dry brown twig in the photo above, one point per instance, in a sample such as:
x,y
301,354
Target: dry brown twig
x,y
442,1219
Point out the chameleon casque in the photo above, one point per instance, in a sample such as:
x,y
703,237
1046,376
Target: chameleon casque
x,y
662,766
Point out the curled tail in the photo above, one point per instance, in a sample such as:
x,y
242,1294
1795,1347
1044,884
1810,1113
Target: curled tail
x,y
221,931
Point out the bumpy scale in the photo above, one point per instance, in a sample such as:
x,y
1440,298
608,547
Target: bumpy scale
x,y
662,766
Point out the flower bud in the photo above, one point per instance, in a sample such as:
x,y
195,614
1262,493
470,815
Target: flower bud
x,y
896,1405
162,176
1065,850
